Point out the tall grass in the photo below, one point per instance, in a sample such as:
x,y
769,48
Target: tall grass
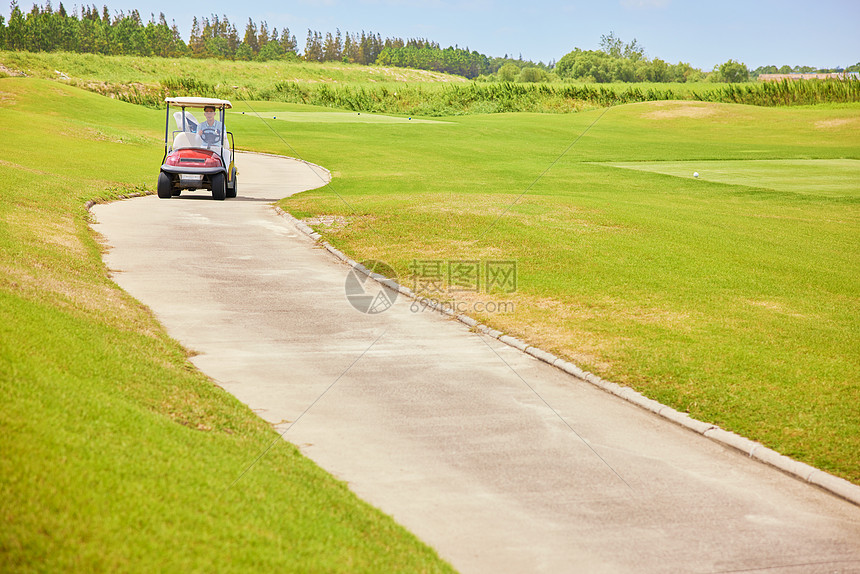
x,y
457,99
483,98
786,93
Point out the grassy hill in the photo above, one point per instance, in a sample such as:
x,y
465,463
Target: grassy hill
x,y
131,69
117,455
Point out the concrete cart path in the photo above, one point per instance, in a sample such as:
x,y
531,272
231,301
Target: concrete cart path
x,y
497,460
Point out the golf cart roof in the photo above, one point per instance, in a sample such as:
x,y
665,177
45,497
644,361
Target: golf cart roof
x,y
190,102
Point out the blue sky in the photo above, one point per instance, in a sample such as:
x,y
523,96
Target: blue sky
x,y
703,33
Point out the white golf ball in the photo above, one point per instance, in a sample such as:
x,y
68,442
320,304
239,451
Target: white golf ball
x,y
695,174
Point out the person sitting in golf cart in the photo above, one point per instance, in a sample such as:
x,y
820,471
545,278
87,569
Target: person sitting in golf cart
x,y
210,129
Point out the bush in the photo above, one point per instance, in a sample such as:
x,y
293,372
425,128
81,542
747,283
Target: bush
x,y
532,74
270,51
734,72
508,72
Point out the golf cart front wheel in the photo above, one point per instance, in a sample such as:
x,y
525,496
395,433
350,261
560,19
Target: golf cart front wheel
x,y
165,186
219,186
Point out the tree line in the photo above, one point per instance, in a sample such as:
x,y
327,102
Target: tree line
x,y
617,61
457,61
45,29
786,69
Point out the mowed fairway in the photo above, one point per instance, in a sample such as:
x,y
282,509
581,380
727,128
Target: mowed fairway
x,y
812,177
734,296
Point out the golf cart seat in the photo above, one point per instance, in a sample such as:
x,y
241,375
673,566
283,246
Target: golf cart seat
x,y
186,140
190,124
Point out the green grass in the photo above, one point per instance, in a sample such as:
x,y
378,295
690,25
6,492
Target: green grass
x,y
733,296
338,117
117,455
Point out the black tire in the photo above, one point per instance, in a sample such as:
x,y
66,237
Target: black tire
x,y
177,192
219,187
231,187
165,186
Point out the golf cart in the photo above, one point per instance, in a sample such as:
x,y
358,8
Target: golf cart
x,y
197,154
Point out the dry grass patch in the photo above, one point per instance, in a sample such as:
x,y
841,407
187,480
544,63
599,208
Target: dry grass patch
x,y
777,307
836,123
28,169
558,328
60,232
603,308
671,110
405,75
107,301
527,211
7,99
331,223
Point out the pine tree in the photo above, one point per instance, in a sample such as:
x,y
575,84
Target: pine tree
x,y
250,39
348,55
330,51
263,36
314,47
196,41
288,42
15,32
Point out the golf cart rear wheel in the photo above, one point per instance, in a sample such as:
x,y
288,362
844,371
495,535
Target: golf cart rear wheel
x,y
165,186
231,186
219,186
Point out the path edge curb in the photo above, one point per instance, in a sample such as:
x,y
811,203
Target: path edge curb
x,y
800,470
